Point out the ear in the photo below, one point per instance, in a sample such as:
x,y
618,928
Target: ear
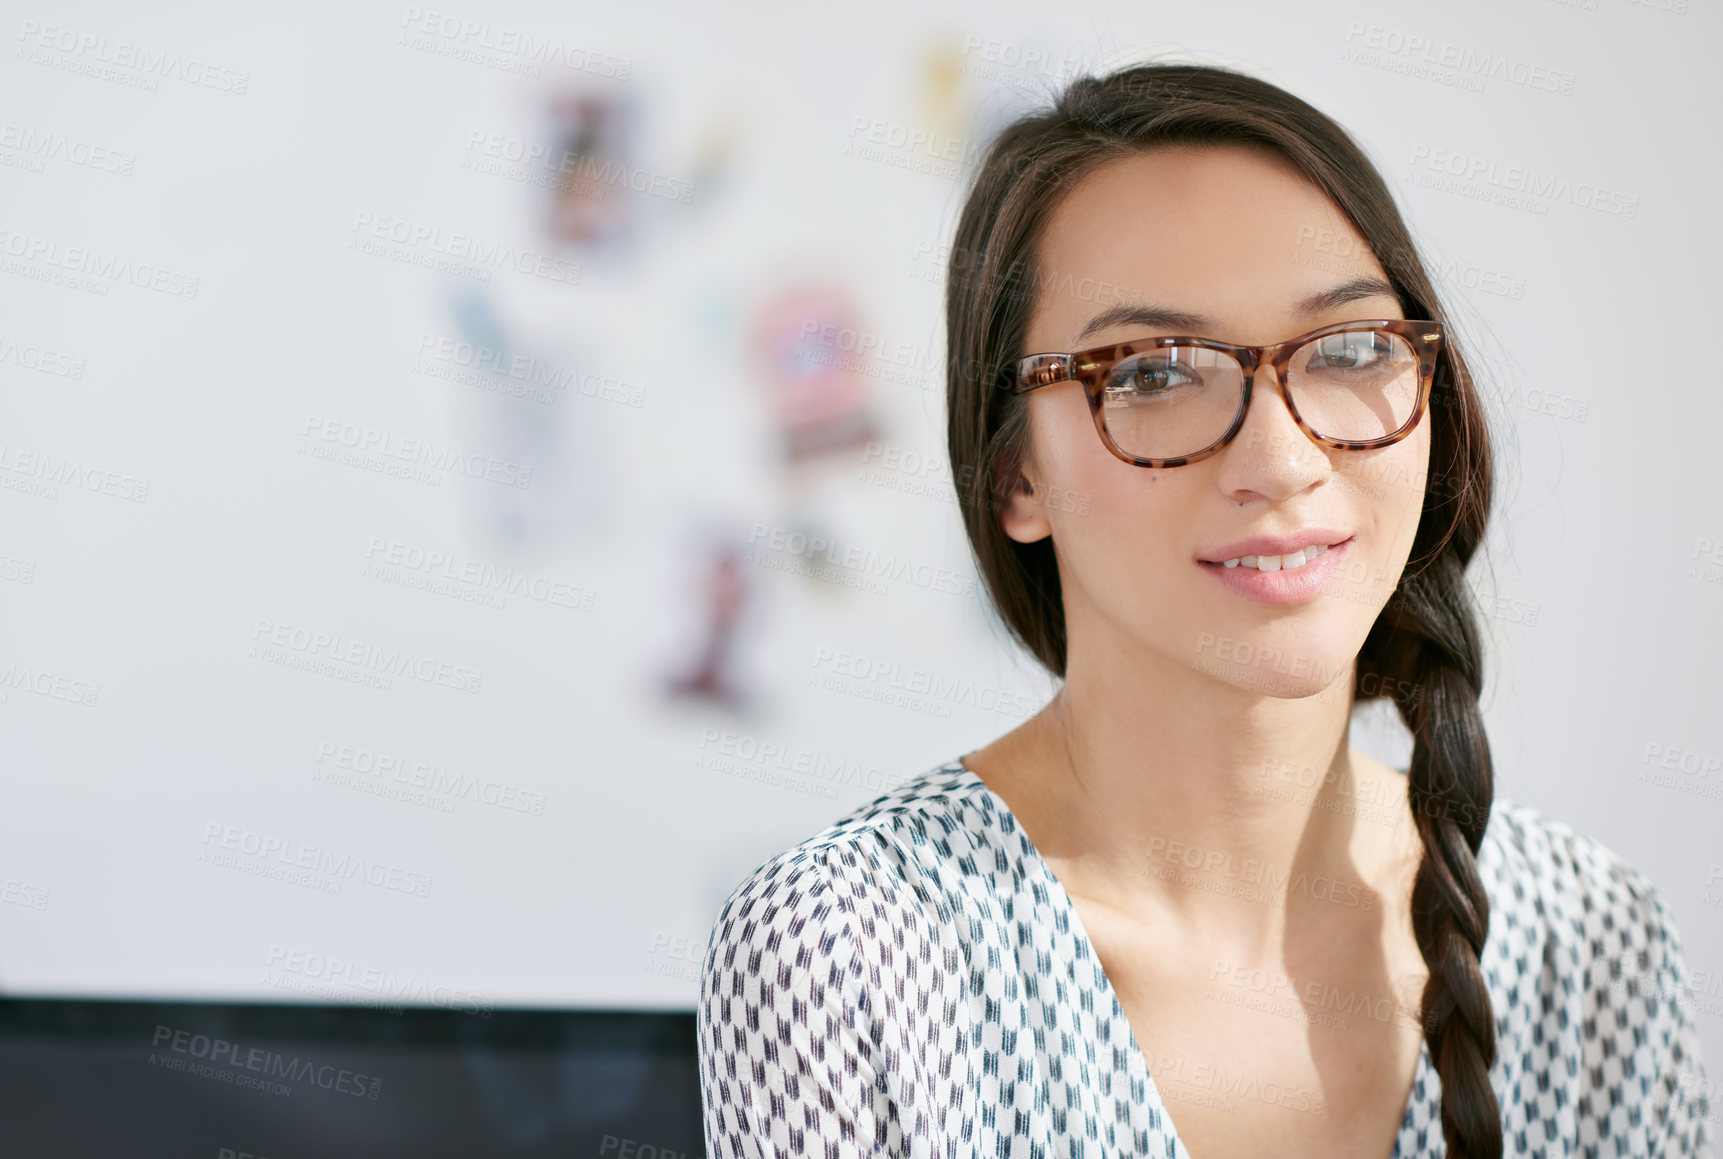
x,y
1025,515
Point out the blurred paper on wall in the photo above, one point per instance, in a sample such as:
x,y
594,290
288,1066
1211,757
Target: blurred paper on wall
x,y
941,101
592,135
608,186
716,588
817,391
810,352
537,405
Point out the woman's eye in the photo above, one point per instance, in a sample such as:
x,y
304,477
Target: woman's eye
x,y
1349,351
1150,377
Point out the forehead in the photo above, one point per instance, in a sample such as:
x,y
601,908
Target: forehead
x,y
1234,233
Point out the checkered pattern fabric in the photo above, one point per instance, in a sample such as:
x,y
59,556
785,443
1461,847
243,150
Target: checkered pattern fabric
x,y
914,981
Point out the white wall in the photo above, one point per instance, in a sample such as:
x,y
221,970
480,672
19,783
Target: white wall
x,y
1590,320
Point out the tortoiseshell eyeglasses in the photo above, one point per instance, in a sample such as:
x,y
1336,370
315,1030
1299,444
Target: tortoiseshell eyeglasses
x,y
1165,402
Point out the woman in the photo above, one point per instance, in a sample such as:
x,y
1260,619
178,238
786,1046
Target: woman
x,y
1233,468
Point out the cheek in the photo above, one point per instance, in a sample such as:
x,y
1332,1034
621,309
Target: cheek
x,y
1072,457
1064,433
1387,486
1387,493
1408,480
1079,480
1112,522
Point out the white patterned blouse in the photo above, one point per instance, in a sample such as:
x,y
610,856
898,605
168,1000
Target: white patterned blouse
x,y
914,981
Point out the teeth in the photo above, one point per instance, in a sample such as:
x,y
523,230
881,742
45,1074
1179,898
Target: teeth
x,y
1289,562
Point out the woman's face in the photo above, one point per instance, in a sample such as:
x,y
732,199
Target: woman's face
x,y
1237,240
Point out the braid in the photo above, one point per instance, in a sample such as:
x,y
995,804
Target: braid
x,y
1428,641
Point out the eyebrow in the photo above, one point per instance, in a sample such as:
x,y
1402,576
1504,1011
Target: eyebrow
x,y
1160,318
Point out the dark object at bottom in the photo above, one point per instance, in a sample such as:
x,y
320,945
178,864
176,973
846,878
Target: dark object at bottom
x,y
244,1081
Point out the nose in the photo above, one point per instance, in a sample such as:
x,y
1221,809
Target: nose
x,y
1270,457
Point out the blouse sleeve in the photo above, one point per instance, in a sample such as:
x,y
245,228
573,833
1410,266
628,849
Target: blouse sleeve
x,y
786,1057
1680,1108
1612,1060
1642,1046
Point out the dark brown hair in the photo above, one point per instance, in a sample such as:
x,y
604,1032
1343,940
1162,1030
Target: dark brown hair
x,y
1423,652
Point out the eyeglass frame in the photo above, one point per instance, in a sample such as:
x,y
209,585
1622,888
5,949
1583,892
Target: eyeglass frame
x,y
1088,367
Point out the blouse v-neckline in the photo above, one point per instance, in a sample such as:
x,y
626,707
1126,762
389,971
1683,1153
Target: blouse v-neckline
x,y
1423,1075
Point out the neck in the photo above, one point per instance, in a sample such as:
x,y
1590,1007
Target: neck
x,y
1219,808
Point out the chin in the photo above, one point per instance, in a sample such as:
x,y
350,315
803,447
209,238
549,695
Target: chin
x,y
1263,680
1283,660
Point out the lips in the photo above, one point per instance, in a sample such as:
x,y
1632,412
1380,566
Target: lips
x,y
1281,587
1275,546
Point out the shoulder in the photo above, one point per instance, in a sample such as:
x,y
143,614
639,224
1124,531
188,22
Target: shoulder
x,y
882,860
832,1000
1586,952
1578,885
1547,880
